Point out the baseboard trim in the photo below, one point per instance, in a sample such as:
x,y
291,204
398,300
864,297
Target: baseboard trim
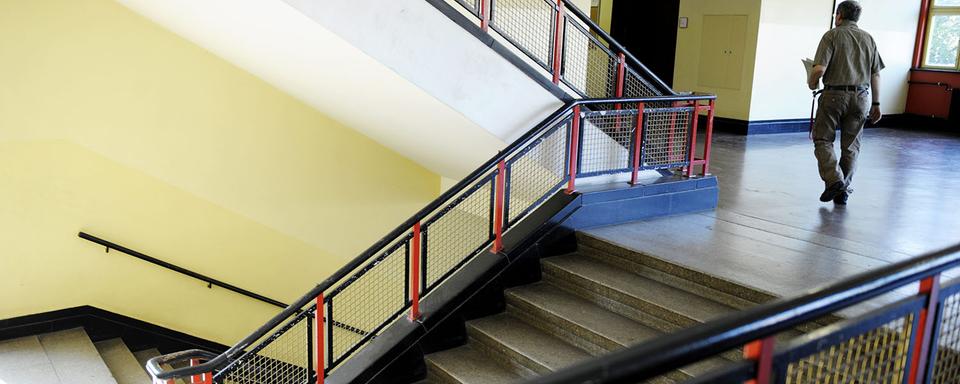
x,y
760,127
102,325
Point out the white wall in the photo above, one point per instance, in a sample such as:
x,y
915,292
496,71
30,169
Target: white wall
x,y
424,46
275,42
893,24
790,30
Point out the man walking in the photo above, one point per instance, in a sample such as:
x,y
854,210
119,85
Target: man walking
x,y
848,61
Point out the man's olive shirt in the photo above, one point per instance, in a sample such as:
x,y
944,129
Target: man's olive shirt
x,y
850,55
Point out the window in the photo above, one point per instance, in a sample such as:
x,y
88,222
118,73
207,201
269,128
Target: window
x,y
943,36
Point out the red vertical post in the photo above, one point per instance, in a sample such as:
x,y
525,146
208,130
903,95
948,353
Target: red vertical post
x,y
484,15
695,120
709,139
499,207
558,43
621,75
637,143
414,280
321,333
203,378
761,352
921,33
618,90
929,287
574,148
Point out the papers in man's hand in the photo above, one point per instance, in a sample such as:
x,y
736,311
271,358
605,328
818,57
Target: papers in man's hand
x,y
808,65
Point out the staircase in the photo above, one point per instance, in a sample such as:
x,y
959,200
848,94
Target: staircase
x,y
71,357
590,302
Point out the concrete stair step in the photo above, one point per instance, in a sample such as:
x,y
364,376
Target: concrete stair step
x,y
575,319
147,354
465,365
528,351
631,295
587,325
75,358
691,282
23,360
592,244
121,362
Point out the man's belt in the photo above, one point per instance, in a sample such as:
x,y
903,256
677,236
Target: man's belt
x,y
849,88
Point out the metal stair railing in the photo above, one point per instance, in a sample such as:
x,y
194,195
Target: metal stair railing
x,y
634,122
566,45
386,282
913,340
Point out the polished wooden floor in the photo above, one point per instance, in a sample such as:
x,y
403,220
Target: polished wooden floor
x,y
771,232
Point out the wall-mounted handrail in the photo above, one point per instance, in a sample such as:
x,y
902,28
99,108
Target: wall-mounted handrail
x,y
678,349
294,308
209,280
946,86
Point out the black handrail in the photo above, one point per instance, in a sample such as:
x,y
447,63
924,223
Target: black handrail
x,y
946,86
706,340
619,47
179,269
370,252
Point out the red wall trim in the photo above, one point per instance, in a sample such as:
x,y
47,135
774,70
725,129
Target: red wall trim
x,y
931,100
921,33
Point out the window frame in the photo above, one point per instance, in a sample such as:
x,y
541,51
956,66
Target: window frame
x,y
931,13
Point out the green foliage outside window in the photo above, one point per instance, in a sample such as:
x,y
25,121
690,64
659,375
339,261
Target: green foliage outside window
x,y
943,36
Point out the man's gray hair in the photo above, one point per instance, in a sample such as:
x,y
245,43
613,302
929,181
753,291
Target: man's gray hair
x,y
850,10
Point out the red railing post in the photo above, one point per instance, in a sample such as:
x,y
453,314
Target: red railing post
x,y
709,140
321,333
414,280
929,287
621,75
484,15
695,119
499,207
574,148
558,43
618,89
637,143
203,378
761,352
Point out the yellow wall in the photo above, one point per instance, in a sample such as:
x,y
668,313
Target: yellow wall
x,y
731,103
113,125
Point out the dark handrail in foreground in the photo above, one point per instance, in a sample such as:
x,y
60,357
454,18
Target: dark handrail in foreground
x,y
341,273
176,268
570,6
706,340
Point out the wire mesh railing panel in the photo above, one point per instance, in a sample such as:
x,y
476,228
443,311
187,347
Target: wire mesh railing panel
x,y
588,67
666,137
374,297
635,85
459,231
282,359
875,348
946,367
472,6
528,24
534,174
608,142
